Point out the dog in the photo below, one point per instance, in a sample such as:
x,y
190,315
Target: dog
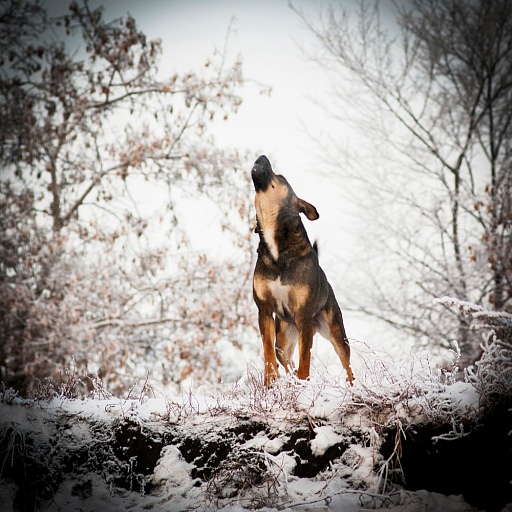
x,y
291,291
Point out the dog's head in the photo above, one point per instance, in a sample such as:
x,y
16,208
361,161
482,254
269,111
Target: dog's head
x,y
275,195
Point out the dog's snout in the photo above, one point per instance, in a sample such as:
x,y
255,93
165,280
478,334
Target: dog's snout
x,y
259,178
263,162
261,173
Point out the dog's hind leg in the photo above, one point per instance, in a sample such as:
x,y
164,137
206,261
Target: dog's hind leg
x,y
287,337
330,326
267,331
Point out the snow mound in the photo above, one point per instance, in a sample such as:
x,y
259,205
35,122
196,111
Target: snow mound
x,y
325,438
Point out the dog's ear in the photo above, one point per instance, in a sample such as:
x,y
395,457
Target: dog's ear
x,y
308,209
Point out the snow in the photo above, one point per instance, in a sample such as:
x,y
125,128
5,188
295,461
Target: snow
x,y
464,395
333,411
284,461
262,442
324,439
172,473
436,501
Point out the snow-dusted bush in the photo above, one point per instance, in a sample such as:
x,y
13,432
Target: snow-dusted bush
x,y
250,478
492,373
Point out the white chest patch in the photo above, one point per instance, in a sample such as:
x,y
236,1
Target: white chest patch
x,y
280,292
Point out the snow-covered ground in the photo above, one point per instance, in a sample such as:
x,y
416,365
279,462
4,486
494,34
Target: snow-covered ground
x,y
298,446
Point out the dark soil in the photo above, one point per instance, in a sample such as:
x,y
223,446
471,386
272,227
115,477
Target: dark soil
x,y
477,465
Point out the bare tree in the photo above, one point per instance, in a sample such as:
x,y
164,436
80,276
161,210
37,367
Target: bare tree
x,y
432,98
90,272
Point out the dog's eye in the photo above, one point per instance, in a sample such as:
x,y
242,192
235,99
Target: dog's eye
x,y
273,186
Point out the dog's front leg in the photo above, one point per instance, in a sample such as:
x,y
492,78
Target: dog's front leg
x,y
268,335
306,333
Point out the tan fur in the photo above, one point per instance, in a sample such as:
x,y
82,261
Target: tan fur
x,y
267,209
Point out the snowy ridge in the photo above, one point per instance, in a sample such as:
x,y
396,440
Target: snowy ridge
x,y
319,444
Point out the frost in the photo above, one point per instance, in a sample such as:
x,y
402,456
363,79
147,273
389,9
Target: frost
x,y
484,317
463,307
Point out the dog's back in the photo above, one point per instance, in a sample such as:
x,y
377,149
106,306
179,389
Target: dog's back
x,y
291,291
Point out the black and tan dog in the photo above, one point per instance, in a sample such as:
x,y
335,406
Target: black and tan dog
x,y
293,296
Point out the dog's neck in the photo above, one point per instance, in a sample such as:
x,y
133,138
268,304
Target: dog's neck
x,y
280,237
267,233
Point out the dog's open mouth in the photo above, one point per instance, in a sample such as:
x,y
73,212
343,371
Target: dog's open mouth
x,y
262,174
